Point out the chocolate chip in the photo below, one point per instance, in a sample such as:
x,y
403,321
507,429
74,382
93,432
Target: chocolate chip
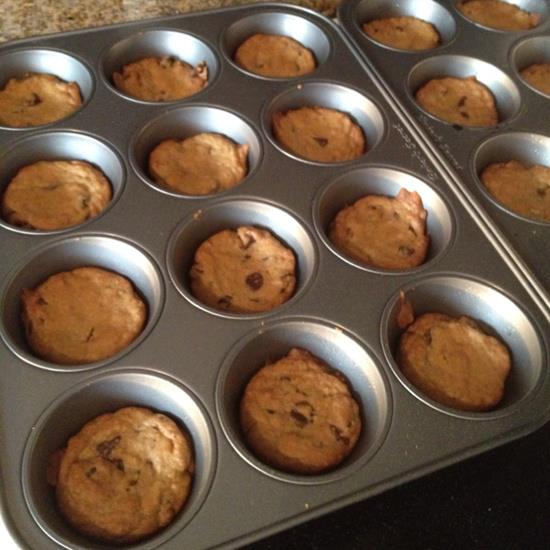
x,y
91,472
462,101
321,141
299,418
105,447
337,432
255,280
406,250
225,301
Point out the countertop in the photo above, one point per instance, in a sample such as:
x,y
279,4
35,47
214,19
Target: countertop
x,y
500,499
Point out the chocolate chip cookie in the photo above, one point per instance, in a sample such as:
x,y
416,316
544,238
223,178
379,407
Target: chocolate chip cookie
x,y
380,231
274,56
51,195
199,165
124,476
161,79
495,14
80,316
538,76
299,415
243,270
36,99
404,33
319,134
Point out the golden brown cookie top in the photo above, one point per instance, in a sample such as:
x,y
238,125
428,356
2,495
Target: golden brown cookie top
x,y
499,15
36,99
243,270
274,56
83,315
319,134
299,415
380,231
124,475
462,101
453,361
538,76
199,165
51,195
161,79
404,33
520,188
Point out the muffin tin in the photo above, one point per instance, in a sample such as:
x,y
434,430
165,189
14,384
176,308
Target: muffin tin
x,y
192,362
495,58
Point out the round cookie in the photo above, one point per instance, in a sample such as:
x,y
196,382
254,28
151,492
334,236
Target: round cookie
x,y
51,195
298,415
522,189
454,362
495,14
124,475
36,99
199,165
319,134
383,231
404,33
462,101
81,316
243,270
538,76
274,56
161,79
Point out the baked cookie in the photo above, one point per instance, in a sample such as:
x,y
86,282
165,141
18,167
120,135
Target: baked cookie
x,y
274,56
462,101
199,165
81,316
538,76
386,232
404,33
522,189
319,134
55,194
125,475
299,415
454,362
495,14
36,99
243,270
161,79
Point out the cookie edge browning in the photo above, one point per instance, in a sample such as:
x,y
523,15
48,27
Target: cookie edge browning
x,y
416,330
60,463
29,299
271,456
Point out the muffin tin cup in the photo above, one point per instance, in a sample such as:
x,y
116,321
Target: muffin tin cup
x,y
349,187
334,346
497,315
69,253
158,43
332,96
503,88
428,11
277,22
528,52
104,394
526,148
232,214
62,145
63,65
185,122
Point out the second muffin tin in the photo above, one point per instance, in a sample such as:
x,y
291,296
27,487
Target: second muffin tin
x,y
192,362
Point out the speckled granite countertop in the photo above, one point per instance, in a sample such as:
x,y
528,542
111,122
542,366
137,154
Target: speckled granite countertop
x,y
22,18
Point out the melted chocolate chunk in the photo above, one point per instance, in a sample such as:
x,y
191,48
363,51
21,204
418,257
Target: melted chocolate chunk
x,y
255,280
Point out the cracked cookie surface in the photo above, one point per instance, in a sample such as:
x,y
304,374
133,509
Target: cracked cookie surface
x,y
404,33
243,270
319,134
274,56
36,99
199,165
49,195
299,415
380,231
124,475
454,362
81,316
161,79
